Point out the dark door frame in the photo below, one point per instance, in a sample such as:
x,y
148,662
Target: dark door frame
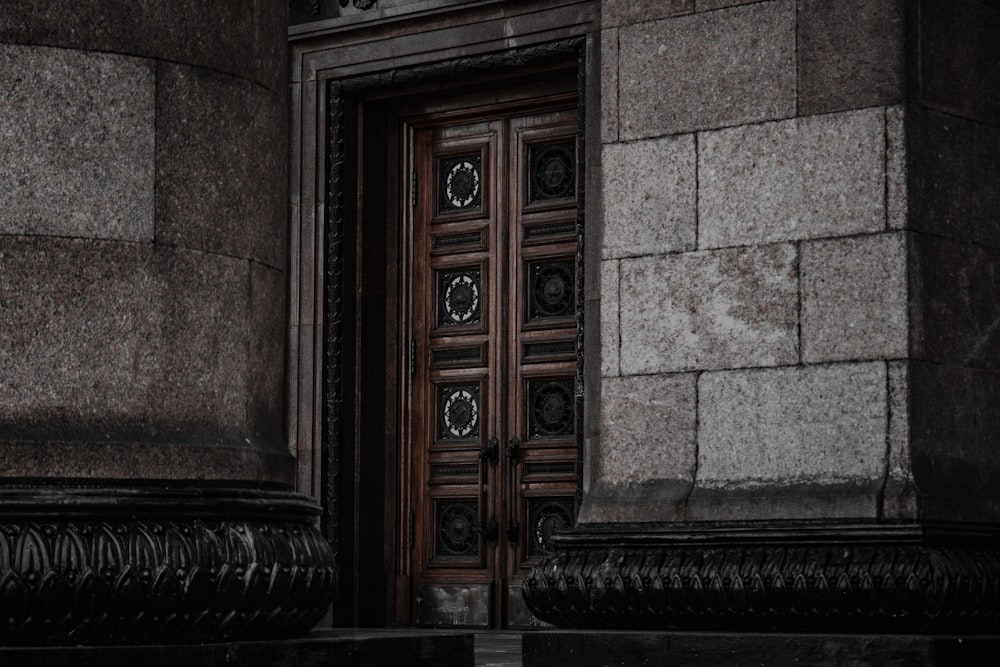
x,y
359,483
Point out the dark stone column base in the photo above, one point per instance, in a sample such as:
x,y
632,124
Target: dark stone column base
x,y
154,564
793,577
633,649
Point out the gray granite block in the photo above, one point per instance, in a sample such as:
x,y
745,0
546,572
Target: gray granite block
x,y
645,462
241,38
125,342
850,54
221,165
266,380
610,339
896,171
955,419
796,425
954,171
627,12
711,5
708,70
719,309
76,144
795,179
647,428
899,498
650,196
609,85
854,298
955,289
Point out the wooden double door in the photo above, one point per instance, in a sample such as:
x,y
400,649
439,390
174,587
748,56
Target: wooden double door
x,y
490,457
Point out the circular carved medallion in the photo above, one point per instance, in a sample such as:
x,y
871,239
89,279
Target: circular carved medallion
x,y
552,172
460,413
461,185
552,409
457,529
460,298
552,290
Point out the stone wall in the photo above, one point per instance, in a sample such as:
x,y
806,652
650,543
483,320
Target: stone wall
x,y
799,261
142,240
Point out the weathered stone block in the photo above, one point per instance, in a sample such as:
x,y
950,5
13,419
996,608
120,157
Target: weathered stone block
x,y
719,309
710,5
217,189
610,339
650,194
609,85
799,425
77,144
850,54
266,355
794,179
644,465
854,298
899,497
124,342
896,173
954,171
955,419
955,289
241,38
626,12
708,70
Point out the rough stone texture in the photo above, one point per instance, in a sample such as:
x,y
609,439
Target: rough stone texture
x,y
267,355
610,338
645,463
76,144
609,85
710,5
896,174
854,298
850,54
626,12
955,419
127,343
899,497
718,309
708,70
801,178
165,460
241,37
220,165
810,426
954,171
650,196
959,68
955,289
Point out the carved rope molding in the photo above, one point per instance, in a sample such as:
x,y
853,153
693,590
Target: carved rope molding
x,y
877,583
144,566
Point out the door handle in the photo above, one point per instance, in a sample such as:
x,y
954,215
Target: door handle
x,y
514,451
491,452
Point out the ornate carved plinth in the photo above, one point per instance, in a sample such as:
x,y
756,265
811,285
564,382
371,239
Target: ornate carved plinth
x,y
159,565
806,577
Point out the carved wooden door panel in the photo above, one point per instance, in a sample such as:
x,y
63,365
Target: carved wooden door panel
x,y
492,441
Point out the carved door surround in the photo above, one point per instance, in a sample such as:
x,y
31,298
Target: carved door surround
x,y
346,427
